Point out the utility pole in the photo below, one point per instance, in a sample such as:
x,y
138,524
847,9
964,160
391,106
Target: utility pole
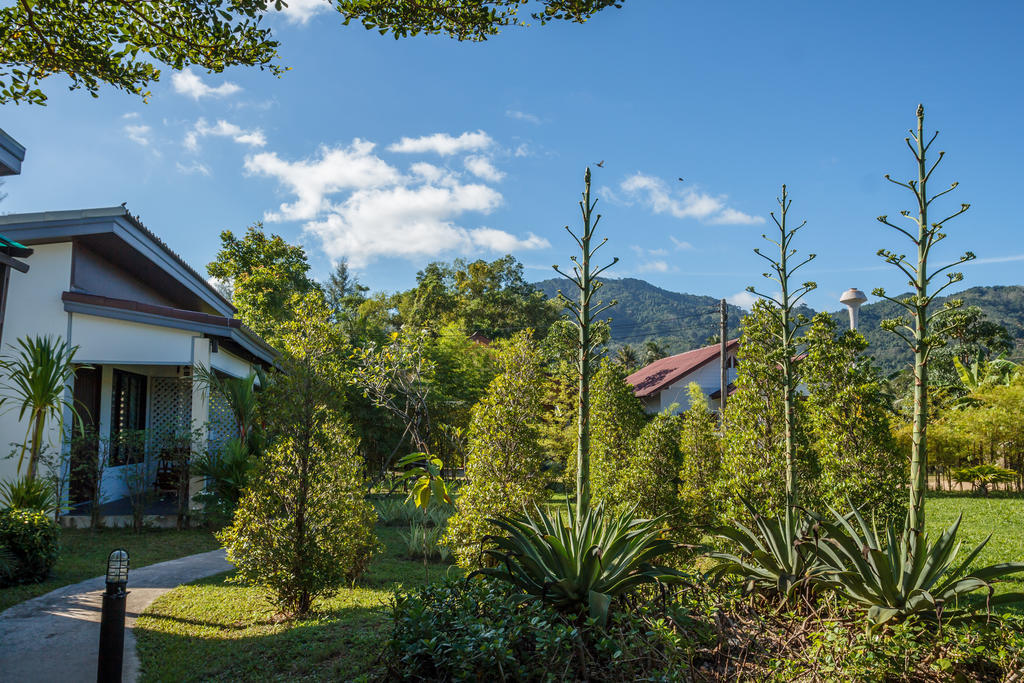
x,y
722,336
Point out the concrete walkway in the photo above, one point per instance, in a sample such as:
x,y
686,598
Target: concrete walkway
x,y
55,637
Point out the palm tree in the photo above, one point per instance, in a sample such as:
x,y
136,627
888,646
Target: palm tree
x,y
35,381
626,357
652,352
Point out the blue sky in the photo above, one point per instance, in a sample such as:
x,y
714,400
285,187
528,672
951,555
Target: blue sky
x,y
396,153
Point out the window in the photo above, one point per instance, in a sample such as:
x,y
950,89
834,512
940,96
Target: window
x,y
128,418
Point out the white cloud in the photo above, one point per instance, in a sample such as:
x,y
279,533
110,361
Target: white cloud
x,y
523,116
523,150
499,240
659,266
744,300
680,244
138,133
481,167
994,259
191,85
312,180
382,212
410,221
194,167
201,129
130,115
301,11
656,195
443,144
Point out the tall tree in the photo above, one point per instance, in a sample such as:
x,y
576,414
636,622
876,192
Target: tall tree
x,y
787,324
263,274
120,42
924,333
584,312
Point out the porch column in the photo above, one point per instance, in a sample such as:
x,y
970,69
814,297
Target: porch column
x,y
200,409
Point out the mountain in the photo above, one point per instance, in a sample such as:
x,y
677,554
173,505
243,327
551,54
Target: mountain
x,y
1004,305
680,322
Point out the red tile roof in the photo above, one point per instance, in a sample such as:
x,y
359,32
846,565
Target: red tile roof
x,y
661,373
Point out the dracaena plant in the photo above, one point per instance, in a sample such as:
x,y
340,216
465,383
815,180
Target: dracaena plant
x,y
579,563
776,556
896,576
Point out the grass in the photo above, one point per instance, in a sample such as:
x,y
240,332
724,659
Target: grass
x,y
83,555
1001,517
216,631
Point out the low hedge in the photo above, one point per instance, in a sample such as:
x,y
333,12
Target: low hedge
x,y
29,545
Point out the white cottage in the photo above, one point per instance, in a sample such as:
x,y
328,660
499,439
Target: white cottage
x,y
142,320
666,382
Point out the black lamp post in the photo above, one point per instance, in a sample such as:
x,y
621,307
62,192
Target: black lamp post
x,y
108,668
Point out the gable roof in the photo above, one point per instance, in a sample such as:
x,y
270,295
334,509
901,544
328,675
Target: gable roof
x,y
47,227
661,373
12,153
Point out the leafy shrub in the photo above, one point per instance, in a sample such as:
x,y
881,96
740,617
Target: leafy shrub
x,y
28,494
471,630
648,480
579,565
616,420
506,465
847,424
31,540
983,476
303,527
422,542
700,447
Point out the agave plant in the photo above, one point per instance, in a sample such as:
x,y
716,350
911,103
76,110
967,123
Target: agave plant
x,y
776,556
907,575
579,563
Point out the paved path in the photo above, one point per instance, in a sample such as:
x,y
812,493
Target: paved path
x,y
55,637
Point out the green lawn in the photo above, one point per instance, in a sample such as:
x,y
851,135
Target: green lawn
x,y
215,631
83,555
1001,517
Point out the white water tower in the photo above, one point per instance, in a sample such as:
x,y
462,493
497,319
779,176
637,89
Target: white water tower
x,y
852,299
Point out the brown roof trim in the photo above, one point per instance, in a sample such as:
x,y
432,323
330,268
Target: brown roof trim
x,y
152,309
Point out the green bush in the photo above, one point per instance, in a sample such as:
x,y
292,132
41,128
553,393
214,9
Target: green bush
x,y
422,542
616,420
506,467
471,630
32,542
700,447
648,479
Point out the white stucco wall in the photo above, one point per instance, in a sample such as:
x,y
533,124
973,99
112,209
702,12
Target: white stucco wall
x,y
34,307
229,363
105,340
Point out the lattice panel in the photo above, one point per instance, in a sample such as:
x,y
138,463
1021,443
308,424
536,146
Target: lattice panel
x,y
170,409
222,421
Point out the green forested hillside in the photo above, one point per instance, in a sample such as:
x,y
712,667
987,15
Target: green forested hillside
x,y
679,322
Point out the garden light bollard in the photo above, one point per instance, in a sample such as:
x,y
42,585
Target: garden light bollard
x,y
111,657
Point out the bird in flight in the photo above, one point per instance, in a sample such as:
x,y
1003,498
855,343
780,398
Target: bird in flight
x,y
600,164
681,180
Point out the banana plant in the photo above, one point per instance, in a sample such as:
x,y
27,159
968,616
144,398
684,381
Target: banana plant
x,y
907,575
579,563
776,557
